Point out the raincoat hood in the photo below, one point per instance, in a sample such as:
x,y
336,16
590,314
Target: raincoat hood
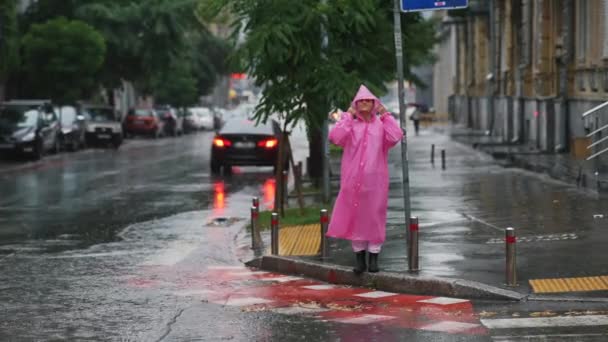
x,y
364,94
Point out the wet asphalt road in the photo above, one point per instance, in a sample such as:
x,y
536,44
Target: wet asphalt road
x,y
102,245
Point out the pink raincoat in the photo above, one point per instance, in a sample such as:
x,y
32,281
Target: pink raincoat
x,y
360,210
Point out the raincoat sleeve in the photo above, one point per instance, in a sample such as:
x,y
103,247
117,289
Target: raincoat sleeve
x,y
392,131
341,133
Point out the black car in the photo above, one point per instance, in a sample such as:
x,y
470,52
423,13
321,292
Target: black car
x,y
73,128
240,142
29,127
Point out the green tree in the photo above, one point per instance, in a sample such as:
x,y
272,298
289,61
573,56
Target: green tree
x,y
62,58
301,78
176,85
9,41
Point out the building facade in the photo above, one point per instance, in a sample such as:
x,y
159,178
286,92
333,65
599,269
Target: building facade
x,y
525,70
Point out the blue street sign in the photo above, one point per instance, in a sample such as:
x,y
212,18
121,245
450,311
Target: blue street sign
x,y
431,5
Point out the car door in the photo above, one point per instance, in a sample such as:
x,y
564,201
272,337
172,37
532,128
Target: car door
x,y
45,130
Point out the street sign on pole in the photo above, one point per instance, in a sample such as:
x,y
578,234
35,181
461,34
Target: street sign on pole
x,y
431,5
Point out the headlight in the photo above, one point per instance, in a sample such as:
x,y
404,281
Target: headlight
x,y
29,137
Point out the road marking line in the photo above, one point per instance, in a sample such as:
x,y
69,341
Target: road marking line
x,y
577,284
542,322
376,294
319,287
220,267
562,337
364,319
281,279
450,326
443,301
247,273
244,301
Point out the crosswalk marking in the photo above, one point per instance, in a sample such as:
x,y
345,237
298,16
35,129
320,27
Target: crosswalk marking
x,y
244,301
319,287
449,326
364,319
443,301
542,322
376,294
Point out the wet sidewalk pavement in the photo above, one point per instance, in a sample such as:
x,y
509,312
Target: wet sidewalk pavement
x,y
465,209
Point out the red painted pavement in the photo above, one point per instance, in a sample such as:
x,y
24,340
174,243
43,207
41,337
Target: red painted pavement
x,y
253,290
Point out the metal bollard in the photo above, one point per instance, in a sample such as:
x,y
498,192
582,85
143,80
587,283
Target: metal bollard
x,y
433,154
274,234
412,255
324,219
255,213
510,242
443,159
255,202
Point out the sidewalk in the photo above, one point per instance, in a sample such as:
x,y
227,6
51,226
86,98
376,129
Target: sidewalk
x,y
464,210
563,166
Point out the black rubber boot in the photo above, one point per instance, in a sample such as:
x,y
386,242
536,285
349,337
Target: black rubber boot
x,y
361,265
373,263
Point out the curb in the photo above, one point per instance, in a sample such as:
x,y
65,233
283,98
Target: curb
x,y
385,281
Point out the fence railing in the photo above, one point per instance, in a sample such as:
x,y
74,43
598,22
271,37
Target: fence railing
x,y
598,140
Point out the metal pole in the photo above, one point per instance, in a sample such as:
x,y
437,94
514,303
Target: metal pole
x,y
325,142
324,219
510,242
412,255
255,243
433,154
274,234
443,159
402,121
255,202
285,188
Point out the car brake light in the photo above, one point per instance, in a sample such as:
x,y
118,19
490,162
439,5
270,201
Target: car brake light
x,y
222,142
268,143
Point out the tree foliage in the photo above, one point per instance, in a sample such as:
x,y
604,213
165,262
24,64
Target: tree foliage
x,y
143,38
9,38
62,58
300,77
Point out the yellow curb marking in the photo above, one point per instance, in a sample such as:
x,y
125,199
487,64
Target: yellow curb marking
x,y
300,240
579,284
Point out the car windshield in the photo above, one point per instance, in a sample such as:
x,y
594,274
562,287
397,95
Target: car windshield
x,y
203,112
100,114
68,115
20,117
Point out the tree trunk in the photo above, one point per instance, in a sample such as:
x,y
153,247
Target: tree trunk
x,y
315,155
2,87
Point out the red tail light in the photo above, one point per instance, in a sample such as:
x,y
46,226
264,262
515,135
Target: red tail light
x,y
268,143
222,142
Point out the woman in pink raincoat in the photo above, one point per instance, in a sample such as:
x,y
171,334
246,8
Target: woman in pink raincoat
x,y
366,132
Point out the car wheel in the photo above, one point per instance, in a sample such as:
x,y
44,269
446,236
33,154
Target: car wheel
x,y
38,151
57,145
227,169
74,145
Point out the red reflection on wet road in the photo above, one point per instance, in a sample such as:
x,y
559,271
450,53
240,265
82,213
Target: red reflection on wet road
x,y
219,198
268,190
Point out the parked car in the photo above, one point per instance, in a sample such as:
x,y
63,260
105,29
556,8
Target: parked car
x,y
29,127
103,125
204,117
144,121
241,142
73,127
174,123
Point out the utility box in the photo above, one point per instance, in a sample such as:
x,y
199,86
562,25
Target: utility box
x,y
579,147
